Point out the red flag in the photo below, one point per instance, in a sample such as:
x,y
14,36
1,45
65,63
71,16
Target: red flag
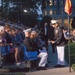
x,y
68,7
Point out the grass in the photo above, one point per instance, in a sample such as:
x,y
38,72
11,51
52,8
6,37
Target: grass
x,y
72,55
73,67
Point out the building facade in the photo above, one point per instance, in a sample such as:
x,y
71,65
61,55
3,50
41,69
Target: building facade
x,y
55,9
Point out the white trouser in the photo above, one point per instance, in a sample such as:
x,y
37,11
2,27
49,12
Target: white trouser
x,y
43,55
60,55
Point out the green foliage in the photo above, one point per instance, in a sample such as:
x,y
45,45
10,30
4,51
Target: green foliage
x,y
46,19
15,13
73,67
72,53
30,19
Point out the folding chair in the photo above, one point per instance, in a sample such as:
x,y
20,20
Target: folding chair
x,y
4,50
30,56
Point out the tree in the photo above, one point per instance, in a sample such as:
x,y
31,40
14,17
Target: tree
x,y
13,10
4,7
46,19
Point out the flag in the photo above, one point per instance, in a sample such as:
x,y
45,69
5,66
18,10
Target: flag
x,y
68,7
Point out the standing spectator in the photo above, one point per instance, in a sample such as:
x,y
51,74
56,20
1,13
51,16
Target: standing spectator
x,y
44,33
51,37
59,40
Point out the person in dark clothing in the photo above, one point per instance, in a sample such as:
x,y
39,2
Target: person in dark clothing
x,y
51,37
6,35
44,33
28,42
31,45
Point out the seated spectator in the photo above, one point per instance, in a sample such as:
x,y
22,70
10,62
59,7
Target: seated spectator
x,y
31,45
2,38
5,49
66,34
73,36
40,45
16,45
8,38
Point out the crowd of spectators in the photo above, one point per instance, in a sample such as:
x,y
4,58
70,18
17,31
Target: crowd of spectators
x,y
17,36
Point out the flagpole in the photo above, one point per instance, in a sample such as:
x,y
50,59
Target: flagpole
x,y
68,10
69,43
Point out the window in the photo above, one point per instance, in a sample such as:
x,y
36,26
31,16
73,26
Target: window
x,y
50,2
60,2
60,22
45,12
45,3
61,12
55,2
55,12
51,12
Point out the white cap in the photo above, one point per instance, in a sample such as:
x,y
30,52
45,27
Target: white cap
x,y
33,32
27,30
1,28
53,21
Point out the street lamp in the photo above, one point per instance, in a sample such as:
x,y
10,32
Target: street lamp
x,y
25,11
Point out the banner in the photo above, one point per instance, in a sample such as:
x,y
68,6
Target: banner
x,y
68,7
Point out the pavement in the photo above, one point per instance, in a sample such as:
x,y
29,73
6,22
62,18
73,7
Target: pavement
x,y
52,70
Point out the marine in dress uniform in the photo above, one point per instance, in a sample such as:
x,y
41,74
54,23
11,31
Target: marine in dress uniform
x,y
59,40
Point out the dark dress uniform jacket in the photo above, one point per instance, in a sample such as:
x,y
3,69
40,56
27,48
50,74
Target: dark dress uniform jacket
x,y
59,37
30,44
51,33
